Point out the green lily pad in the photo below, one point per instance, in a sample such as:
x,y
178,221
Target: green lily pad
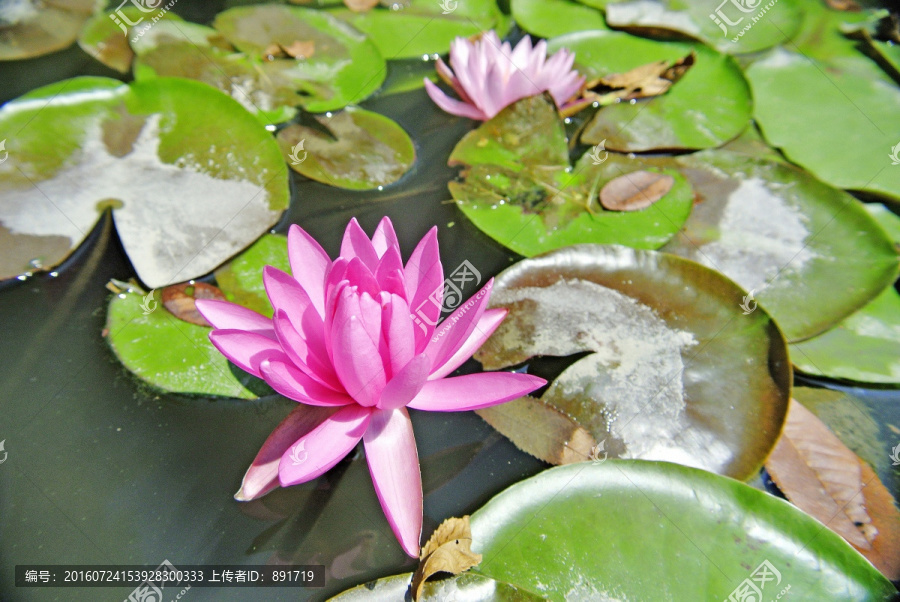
x,y
171,354
886,218
851,94
809,253
29,28
550,18
108,42
467,587
265,88
732,27
416,28
366,150
586,532
520,190
865,347
707,107
669,344
344,68
241,278
190,176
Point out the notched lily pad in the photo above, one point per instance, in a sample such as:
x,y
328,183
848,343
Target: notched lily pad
x,y
810,254
366,150
708,104
29,28
519,188
191,177
668,344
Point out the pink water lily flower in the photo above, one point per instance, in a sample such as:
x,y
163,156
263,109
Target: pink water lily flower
x,y
489,76
356,342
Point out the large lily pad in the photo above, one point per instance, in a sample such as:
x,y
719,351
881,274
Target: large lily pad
x,y
190,176
843,89
344,68
365,150
706,107
669,343
729,27
108,41
809,253
549,18
416,28
171,354
29,28
520,189
865,347
586,532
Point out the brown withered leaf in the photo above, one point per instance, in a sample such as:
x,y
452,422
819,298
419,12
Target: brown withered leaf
x,y
825,479
644,81
848,5
540,430
298,49
360,6
635,191
179,300
449,550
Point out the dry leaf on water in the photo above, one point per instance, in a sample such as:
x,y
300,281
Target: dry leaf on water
x,y
647,80
825,479
360,6
179,300
540,430
298,49
635,191
448,550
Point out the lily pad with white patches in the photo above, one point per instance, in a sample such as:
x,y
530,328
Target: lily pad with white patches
x,y
190,176
810,254
667,342
365,150
709,105
344,68
29,28
519,188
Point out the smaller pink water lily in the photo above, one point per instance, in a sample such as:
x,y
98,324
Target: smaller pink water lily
x,y
489,76
356,341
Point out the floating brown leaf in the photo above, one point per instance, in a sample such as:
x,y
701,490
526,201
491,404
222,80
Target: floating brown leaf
x,y
360,6
644,81
540,430
300,49
448,550
849,5
179,300
824,478
635,191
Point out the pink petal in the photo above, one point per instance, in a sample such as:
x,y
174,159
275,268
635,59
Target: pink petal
x,y
225,315
406,384
295,384
389,263
452,106
286,294
486,326
357,244
425,286
324,446
356,357
262,476
398,330
308,353
385,238
456,328
360,276
474,391
309,264
394,466
246,349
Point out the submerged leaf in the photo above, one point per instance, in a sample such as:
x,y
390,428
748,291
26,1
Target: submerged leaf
x,y
540,430
635,191
448,550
